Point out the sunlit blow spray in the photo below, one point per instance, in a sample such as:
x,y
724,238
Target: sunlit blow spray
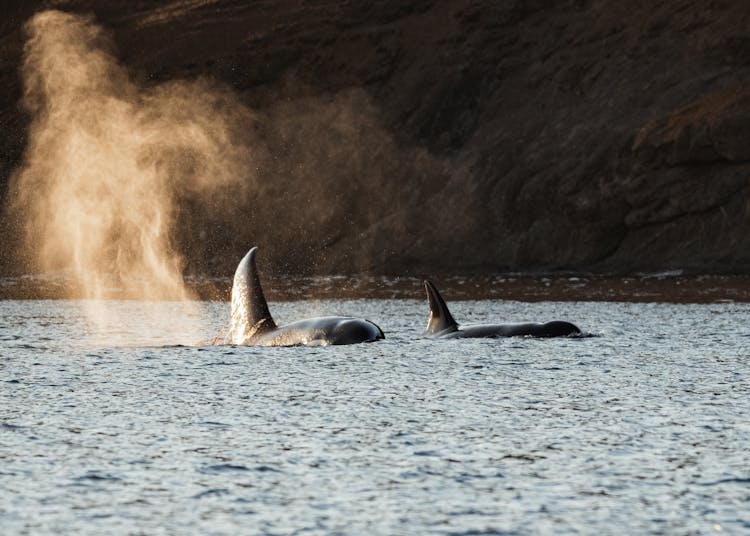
x,y
108,161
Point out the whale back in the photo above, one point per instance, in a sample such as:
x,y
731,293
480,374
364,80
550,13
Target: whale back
x,y
441,319
250,315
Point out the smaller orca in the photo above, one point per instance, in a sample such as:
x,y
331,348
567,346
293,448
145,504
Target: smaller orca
x,y
441,324
252,324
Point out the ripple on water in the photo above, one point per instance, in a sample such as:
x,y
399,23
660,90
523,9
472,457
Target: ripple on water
x,y
11,427
96,476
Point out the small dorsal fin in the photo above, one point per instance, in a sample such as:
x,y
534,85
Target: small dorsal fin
x,y
440,317
250,315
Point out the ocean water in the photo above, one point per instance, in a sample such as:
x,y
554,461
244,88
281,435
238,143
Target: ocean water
x,y
122,418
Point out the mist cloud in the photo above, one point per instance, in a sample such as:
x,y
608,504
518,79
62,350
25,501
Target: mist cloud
x,y
109,160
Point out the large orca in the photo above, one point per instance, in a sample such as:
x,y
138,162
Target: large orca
x,y
442,324
252,324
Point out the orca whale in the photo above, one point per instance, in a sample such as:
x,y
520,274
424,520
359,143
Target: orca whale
x,y
442,324
252,324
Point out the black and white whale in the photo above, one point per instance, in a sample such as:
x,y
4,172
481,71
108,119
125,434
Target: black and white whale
x,y
252,324
442,324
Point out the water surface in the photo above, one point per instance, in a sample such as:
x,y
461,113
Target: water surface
x,y
112,427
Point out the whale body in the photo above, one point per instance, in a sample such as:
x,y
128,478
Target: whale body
x,y
252,324
441,324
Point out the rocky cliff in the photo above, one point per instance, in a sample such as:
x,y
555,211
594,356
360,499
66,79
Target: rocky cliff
x,y
460,136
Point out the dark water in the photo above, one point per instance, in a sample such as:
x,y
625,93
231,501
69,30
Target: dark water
x,y
107,427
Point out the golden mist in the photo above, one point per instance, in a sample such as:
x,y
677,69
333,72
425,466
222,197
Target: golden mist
x,y
108,162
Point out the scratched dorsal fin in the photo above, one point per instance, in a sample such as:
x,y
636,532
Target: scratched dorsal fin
x,y
440,317
250,315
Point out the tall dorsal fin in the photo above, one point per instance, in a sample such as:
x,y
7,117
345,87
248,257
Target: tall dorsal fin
x,y
250,315
440,317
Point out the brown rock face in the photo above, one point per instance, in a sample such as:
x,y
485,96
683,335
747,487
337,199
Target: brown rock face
x,y
434,137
